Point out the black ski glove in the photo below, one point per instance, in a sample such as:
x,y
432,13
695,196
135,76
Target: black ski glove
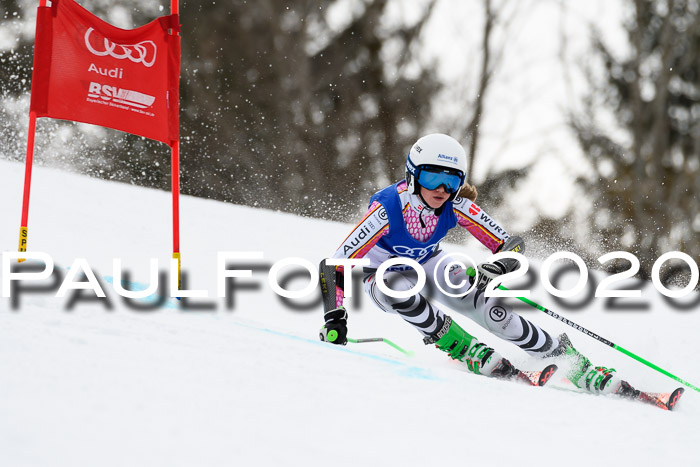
x,y
335,330
489,271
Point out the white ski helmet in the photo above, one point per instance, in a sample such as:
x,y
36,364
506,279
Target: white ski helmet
x,y
435,160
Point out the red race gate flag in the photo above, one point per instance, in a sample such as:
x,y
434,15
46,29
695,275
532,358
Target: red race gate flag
x,y
87,70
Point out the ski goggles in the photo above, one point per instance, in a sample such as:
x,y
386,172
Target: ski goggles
x,y
431,178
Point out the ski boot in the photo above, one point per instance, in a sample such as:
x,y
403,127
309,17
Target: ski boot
x,y
462,346
480,358
582,373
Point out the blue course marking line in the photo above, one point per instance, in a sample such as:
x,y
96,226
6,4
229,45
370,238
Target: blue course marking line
x,y
135,286
407,370
410,371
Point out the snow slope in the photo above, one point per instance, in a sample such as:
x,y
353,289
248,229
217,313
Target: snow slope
x,y
109,382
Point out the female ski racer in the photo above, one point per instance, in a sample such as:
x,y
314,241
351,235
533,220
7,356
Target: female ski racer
x,y
408,220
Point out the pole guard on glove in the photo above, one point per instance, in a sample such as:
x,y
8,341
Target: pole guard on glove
x,y
335,330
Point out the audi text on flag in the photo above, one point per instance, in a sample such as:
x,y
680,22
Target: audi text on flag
x,y
87,70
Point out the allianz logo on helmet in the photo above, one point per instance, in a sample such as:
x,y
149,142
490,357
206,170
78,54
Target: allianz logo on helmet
x,y
447,158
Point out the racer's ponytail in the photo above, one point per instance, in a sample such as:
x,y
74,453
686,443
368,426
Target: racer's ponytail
x,y
468,191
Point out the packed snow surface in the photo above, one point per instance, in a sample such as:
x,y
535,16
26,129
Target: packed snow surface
x,y
243,380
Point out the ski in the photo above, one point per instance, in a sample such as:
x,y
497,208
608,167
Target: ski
x,y
536,378
662,400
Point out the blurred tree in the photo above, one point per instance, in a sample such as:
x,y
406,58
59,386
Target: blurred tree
x,y
16,63
15,75
497,182
646,166
283,111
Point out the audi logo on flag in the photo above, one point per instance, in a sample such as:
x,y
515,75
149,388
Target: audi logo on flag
x,y
144,52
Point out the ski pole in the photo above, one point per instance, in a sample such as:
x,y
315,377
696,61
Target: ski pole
x,y
471,272
381,339
333,335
